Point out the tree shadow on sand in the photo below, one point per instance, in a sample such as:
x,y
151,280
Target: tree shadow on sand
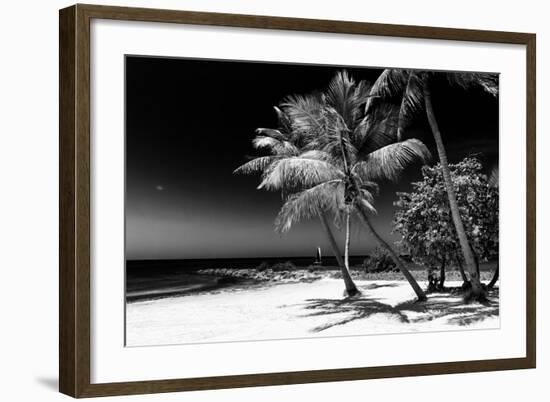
x,y
438,306
374,286
356,308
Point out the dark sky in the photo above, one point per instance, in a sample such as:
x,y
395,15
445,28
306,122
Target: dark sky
x,y
189,124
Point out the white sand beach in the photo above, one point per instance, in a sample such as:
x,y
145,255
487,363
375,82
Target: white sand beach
x,y
301,310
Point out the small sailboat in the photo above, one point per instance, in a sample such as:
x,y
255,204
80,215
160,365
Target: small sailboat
x,y
318,258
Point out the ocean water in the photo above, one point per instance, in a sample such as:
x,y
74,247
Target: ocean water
x,y
150,279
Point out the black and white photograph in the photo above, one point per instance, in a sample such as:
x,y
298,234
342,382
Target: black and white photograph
x,y
243,201
270,201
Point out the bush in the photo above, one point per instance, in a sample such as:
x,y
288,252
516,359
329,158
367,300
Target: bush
x,y
263,266
424,220
379,261
283,266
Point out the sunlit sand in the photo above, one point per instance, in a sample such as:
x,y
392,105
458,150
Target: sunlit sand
x,y
302,310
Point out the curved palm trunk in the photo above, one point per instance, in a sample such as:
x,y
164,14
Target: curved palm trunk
x,y
461,269
469,259
348,240
494,280
364,217
406,273
351,289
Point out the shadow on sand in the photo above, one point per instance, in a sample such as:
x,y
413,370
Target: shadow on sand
x,y
439,305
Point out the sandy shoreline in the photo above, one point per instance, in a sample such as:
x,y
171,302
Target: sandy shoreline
x,y
301,310
215,279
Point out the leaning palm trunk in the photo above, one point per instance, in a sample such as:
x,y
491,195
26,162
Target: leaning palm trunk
x,y
469,259
461,269
406,273
348,239
493,282
351,289
364,217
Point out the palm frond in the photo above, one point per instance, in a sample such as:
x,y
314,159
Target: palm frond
x,y
336,136
466,80
388,162
298,172
256,165
390,84
334,147
318,154
276,146
305,112
378,128
272,133
346,97
370,186
308,204
367,195
412,102
366,204
396,98
285,123
490,83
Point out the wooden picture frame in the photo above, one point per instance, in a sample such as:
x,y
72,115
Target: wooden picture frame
x,y
74,206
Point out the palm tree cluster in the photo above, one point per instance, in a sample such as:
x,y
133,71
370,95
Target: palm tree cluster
x,y
331,149
327,156
411,89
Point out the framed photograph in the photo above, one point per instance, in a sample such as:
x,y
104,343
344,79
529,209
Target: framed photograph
x,y
250,200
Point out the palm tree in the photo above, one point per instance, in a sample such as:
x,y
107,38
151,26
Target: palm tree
x,y
328,186
413,90
350,152
284,144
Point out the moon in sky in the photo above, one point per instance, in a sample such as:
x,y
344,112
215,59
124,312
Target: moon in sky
x,y
159,187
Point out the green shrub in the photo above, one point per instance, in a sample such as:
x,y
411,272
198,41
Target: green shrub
x,y
379,261
263,266
283,266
